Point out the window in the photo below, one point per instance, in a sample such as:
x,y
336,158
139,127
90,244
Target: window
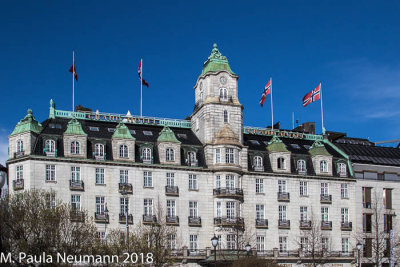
x,y
217,155
230,181
388,222
75,174
123,176
99,176
303,214
387,198
367,223
367,248
147,179
50,173
325,243
149,133
99,150
193,209
76,202
230,242
342,169
148,206
169,154
146,154
50,146
94,129
258,162
344,191
345,245
223,94
172,241
75,147
170,179
301,166
304,243
323,166
191,158
124,205
259,185
324,214
123,151
281,186
225,116
324,189
345,215
281,163
20,146
282,213
171,208
111,130
260,212
19,172
192,182
366,197
260,243
218,182
230,210
193,242
100,205
132,132
50,200
282,244
229,155
303,188
219,209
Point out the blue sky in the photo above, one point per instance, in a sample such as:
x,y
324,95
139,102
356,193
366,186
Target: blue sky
x,y
351,46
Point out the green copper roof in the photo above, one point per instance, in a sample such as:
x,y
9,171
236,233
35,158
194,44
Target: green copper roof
x,y
318,148
276,145
27,124
122,132
167,135
216,62
74,128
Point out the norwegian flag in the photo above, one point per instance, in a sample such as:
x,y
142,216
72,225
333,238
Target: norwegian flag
x,y
140,74
267,91
73,70
312,96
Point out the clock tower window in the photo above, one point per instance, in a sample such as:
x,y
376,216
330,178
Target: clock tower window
x,y
223,94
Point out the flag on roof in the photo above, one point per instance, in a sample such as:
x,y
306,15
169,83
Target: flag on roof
x,y
312,96
73,70
267,91
140,74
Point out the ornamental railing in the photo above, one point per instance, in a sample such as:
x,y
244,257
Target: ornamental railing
x,y
122,218
76,185
305,225
261,223
283,196
101,217
18,184
172,220
283,224
171,190
194,221
326,198
125,188
228,192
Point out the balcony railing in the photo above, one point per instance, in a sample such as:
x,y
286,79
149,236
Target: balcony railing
x,y
302,172
125,188
122,218
305,225
149,219
172,220
192,163
76,185
101,217
194,221
19,154
284,224
224,221
346,226
327,199
258,168
172,191
99,157
262,223
50,153
326,225
228,192
77,216
283,196
18,184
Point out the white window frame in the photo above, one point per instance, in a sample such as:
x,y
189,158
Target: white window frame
x,y
282,186
75,173
344,190
171,208
50,173
231,241
123,151
344,215
325,214
303,213
283,244
51,200
229,155
19,172
226,116
223,93
148,207
342,169
191,157
20,145
193,209
301,166
75,147
345,244
281,163
219,209
193,246
282,213
324,189
218,155
218,182
323,166
303,188
147,179
170,179
100,204
192,182
123,205
76,202
124,176
230,181
258,161
146,153
260,243
99,150
170,154
230,209
172,241
50,145
99,176
259,185
260,212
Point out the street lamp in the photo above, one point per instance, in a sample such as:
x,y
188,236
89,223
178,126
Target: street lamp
x,y
359,253
214,242
106,215
3,177
248,248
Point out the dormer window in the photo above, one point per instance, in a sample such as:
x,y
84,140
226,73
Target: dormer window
x,y
323,166
75,147
50,148
223,94
123,151
20,146
225,116
170,154
191,158
146,155
258,163
99,151
301,166
281,163
342,169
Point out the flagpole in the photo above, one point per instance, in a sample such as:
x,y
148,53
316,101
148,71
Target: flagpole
x,y
141,85
322,109
272,107
73,82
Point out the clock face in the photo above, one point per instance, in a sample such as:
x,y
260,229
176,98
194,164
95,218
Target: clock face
x,y
223,80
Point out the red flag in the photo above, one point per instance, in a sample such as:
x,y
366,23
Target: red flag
x,y
140,74
73,69
312,96
267,91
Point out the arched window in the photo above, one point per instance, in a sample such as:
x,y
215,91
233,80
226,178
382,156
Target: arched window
x,y
75,147
191,158
169,154
99,150
281,163
258,163
225,116
342,169
20,146
301,166
323,166
146,154
123,151
223,94
50,146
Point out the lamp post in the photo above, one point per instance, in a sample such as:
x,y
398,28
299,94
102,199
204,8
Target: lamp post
x,y
214,242
248,248
106,215
359,253
3,175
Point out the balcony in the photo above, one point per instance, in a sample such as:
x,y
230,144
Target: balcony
x,y
77,216
258,168
122,218
192,163
76,185
326,225
283,196
194,221
18,184
284,224
101,217
262,223
226,99
229,192
172,191
326,199
50,153
125,188
229,222
147,161
99,157
302,172
305,225
172,220
149,219
346,226
19,154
